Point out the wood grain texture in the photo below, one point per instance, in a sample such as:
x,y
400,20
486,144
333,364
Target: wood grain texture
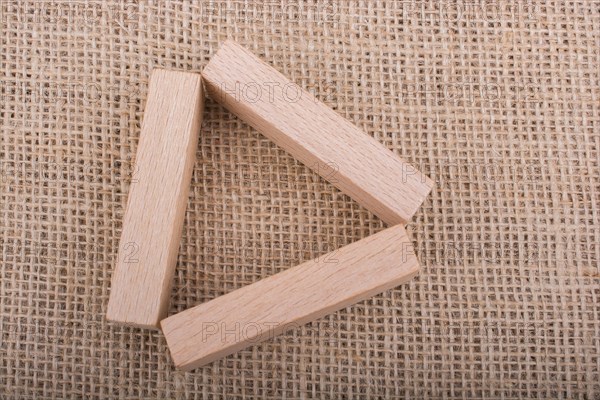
x,y
153,220
316,135
291,298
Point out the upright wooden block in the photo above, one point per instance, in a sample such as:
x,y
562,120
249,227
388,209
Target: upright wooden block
x,y
316,135
291,298
153,220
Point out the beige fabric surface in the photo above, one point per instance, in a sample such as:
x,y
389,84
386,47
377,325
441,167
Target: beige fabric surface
x,y
499,102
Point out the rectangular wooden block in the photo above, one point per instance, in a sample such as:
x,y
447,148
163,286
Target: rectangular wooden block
x,y
291,298
153,220
316,135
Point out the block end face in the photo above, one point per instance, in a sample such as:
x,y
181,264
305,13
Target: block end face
x,y
174,350
133,324
118,317
403,215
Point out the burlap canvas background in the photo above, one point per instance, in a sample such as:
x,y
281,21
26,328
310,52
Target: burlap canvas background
x,y
498,102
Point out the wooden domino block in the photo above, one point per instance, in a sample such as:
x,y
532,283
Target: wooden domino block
x,y
153,220
315,134
291,298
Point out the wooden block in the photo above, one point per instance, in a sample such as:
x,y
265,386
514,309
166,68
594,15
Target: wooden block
x,y
291,298
316,135
153,220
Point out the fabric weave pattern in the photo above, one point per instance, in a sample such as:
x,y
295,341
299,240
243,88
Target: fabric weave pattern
x,y
497,101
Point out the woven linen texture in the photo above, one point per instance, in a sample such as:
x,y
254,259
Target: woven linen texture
x,y
497,101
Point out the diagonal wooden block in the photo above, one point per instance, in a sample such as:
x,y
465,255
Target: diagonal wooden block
x,y
311,290
153,220
316,135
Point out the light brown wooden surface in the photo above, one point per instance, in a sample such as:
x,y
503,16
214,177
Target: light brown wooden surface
x,y
153,220
291,298
316,135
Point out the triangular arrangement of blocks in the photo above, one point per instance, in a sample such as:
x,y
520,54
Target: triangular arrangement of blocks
x,y
312,133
